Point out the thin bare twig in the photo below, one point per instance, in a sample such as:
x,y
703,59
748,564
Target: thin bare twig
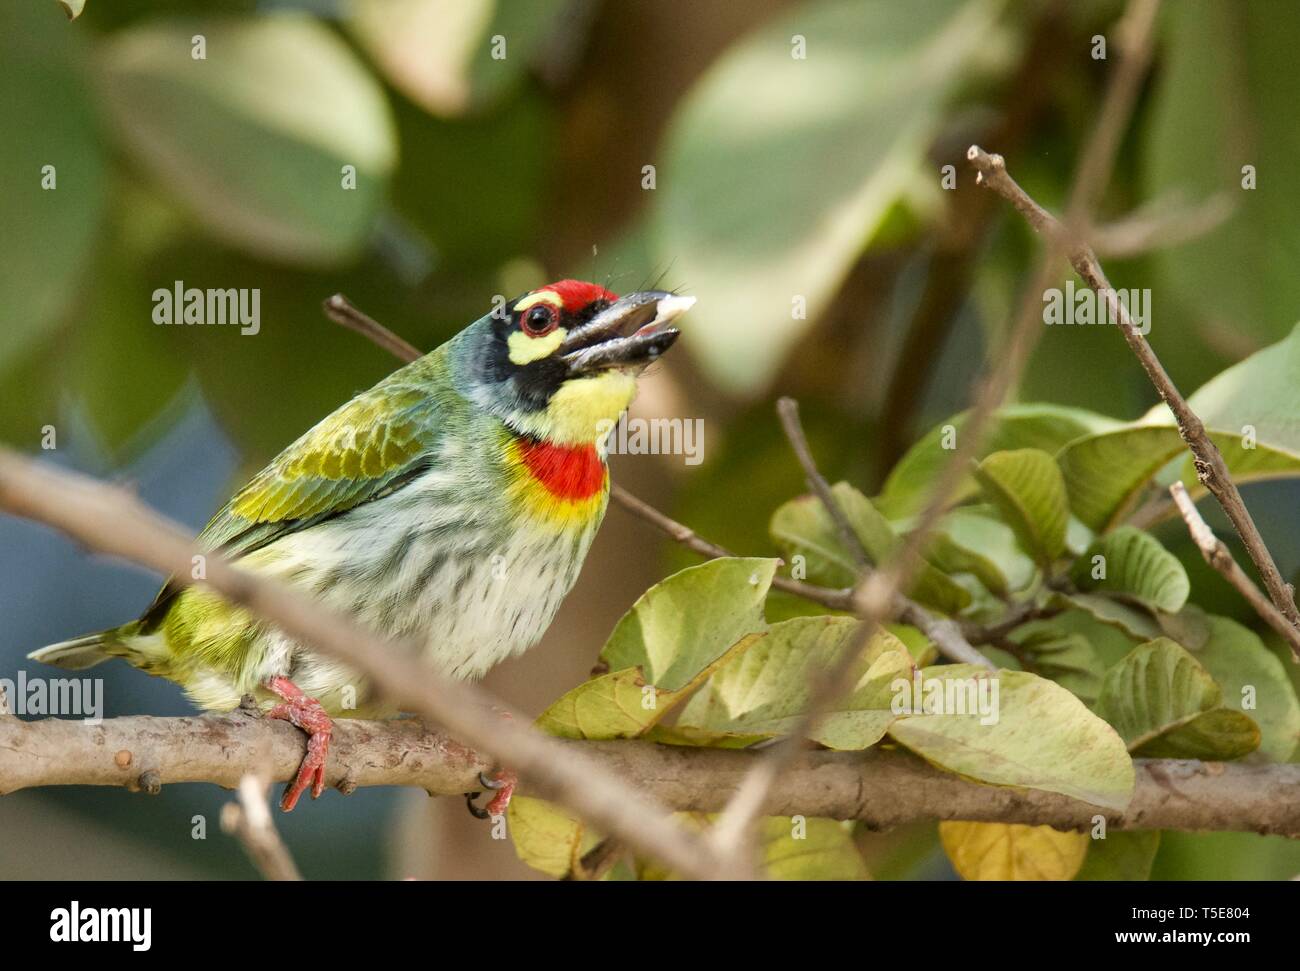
x,y
787,410
342,311
1217,555
249,820
680,532
1211,470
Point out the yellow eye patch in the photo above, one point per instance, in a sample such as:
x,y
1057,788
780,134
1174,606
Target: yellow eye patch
x,y
542,296
525,349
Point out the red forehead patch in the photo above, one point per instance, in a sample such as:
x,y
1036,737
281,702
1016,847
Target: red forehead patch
x,y
576,294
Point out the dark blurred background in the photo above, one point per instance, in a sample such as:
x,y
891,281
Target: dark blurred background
x,y
801,199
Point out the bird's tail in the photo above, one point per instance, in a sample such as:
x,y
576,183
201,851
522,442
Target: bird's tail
x,y
86,651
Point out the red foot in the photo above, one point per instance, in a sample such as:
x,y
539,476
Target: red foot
x,y
506,781
307,714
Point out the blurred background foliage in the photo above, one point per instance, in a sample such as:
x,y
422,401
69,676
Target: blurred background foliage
x,y
799,199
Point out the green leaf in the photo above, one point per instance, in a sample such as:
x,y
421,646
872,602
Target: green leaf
x,y
1250,674
439,52
1043,736
1012,851
1133,566
1121,856
1104,472
683,624
254,137
802,527
972,539
1136,623
1223,99
1062,656
764,690
674,636
1166,705
113,343
52,170
1039,425
1025,485
872,88
809,849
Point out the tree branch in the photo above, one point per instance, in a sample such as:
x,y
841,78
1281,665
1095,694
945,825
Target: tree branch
x,y
882,788
249,820
1217,555
1210,467
113,521
341,310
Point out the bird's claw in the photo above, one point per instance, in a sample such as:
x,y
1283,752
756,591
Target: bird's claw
x,y
478,812
502,786
306,713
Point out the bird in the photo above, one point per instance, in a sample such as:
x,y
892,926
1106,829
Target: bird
x,y
450,507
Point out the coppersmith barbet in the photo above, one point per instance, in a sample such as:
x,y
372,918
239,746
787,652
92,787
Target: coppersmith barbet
x,y
451,506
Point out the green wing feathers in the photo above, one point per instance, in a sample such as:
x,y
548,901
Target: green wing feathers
x,y
371,445
356,453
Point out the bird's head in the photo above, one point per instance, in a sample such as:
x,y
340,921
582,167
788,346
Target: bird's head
x,y
561,362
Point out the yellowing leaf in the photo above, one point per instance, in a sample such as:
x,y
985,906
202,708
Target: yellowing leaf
x,y
621,704
1036,735
665,646
765,690
1010,851
810,849
547,837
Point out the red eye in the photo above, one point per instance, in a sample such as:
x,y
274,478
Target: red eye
x,y
539,320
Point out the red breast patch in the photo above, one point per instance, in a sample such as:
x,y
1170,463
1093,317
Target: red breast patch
x,y
567,472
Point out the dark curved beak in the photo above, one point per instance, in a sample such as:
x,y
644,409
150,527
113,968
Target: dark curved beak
x,y
630,333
